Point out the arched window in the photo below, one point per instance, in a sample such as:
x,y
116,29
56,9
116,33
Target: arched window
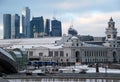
x,y
77,54
77,44
114,57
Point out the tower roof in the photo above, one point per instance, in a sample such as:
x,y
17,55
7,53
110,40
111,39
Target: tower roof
x,y
111,19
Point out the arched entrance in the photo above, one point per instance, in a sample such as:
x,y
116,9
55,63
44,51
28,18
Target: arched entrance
x,y
77,54
114,57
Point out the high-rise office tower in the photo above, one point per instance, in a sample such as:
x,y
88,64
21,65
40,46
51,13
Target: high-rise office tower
x,y
41,24
15,26
47,27
37,26
56,28
26,22
7,26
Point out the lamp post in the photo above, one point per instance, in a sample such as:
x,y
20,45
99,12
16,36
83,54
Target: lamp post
x,y
106,67
97,68
97,64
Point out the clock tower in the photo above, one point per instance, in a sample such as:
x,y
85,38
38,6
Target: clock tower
x,y
111,34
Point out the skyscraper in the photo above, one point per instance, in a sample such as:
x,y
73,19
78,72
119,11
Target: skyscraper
x,y
26,22
7,26
47,27
15,26
37,26
41,24
56,28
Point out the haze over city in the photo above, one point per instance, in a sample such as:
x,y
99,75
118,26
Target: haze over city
x,y
88,17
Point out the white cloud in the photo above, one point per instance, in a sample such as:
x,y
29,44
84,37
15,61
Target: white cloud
x,y
91,23
87,16
88,5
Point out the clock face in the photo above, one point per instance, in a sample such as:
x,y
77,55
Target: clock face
x,y
109,36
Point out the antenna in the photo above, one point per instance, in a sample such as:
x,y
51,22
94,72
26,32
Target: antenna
x,y
54,15
71,24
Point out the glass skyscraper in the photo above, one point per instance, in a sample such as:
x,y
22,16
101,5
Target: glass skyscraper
x,y
47,27
26,22
37,25
7,26
15,26
56,28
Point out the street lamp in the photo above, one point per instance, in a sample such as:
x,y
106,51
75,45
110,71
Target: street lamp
x,y
106,67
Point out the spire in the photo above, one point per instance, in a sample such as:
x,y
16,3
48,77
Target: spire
x,y
111,19
111,23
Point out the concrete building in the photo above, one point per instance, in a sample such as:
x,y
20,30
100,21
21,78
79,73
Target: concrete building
x,y
68,49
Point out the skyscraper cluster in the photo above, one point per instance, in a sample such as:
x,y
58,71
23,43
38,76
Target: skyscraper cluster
x,y
37,27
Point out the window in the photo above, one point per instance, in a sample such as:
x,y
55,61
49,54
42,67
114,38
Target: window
x,y
50,53
30,53
113,45
56,53
61,53
77,44
81,44
67,60
40,54
66,54
72,44
85,53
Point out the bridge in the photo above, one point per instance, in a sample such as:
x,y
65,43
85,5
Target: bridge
x,y
7,63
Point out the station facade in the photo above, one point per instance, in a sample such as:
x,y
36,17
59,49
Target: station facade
x,y
70,50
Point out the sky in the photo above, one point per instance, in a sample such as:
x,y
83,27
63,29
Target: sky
x,y
88,17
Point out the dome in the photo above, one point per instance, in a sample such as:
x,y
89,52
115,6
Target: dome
x,y
72,31
74,38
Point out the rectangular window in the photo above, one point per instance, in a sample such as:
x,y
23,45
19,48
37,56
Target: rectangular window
x,y
30,53
51,53
61,53
40,54
85,53
56,53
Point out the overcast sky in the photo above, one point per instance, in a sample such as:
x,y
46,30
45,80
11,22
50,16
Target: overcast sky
x,y
89,17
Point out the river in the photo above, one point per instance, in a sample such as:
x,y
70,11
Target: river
x,y
63,80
